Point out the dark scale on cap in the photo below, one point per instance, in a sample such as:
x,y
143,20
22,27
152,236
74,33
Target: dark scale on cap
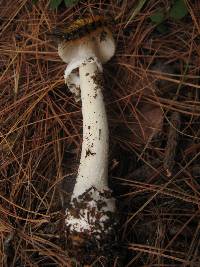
x,y
81,31
77,35
99,23
93,24
67,36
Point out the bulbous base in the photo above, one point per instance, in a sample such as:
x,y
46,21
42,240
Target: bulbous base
x,y
91,213
91,222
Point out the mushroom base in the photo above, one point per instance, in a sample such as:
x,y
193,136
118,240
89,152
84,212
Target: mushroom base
x,y
91,223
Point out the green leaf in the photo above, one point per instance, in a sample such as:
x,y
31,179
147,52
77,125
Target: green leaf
x,y
70,3
179,10
55,3
158,17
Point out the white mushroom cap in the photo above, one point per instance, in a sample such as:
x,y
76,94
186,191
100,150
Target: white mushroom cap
x,y
99,44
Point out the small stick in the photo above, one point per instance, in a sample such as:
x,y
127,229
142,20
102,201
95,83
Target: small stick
x,y
172,141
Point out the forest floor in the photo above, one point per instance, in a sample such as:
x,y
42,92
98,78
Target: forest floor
x,y
152,95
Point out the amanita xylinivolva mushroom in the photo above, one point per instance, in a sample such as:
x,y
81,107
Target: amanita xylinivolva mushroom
x,y
91,215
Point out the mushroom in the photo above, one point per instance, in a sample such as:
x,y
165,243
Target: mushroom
x,y
92,207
